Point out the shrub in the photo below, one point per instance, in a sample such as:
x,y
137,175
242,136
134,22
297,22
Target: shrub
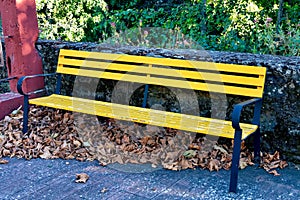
x,y
72,20
216,25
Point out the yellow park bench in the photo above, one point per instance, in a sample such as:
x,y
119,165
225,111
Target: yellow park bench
x,y
215,78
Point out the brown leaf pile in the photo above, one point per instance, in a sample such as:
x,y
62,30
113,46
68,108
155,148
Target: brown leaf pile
x,y
272,162
123,142
55,133
52,134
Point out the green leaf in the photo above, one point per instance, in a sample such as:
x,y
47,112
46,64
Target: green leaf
x,y
189,153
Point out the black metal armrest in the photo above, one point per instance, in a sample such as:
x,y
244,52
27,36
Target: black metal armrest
x,y
237,111
23,78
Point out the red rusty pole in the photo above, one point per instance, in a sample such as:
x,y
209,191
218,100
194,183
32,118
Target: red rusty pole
x,y
20,29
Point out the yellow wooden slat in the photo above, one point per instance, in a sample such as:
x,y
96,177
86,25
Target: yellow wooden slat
x,y
185,122
167,62
219,88
164,71
263,79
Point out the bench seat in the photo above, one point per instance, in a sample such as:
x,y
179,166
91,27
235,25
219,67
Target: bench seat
x,y
180,121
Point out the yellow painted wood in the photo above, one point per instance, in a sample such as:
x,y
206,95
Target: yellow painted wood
x,y
185,122
263,79
166,62
166,72
220,88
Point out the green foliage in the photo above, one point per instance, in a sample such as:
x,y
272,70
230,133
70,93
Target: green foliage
x,y
153,38
292,12
286,42
141,4
73,20
228,25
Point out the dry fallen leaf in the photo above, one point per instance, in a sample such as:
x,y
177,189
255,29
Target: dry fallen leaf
x,y
6,152
283,164
77,143
194,147
276,156
214,165
81,178
216,147
8,145
243,146
2,161
104,190
144,140
185,164
274,172
46,154
243,163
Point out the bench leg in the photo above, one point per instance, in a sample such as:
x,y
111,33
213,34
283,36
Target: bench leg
x,y
145,96
25,114
235,161
257,146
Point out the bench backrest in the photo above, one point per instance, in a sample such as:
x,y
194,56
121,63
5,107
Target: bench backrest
x,y
206,76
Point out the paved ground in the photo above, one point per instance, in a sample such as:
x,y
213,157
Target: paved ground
x,y
55,179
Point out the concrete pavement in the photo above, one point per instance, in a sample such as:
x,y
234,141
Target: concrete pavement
x,y
55,179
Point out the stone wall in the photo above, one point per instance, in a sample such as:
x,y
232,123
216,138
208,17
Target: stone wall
x,y
281,106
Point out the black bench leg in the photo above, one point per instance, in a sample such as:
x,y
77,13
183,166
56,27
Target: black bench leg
x,y
235,161
145,96
25,114
257,146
